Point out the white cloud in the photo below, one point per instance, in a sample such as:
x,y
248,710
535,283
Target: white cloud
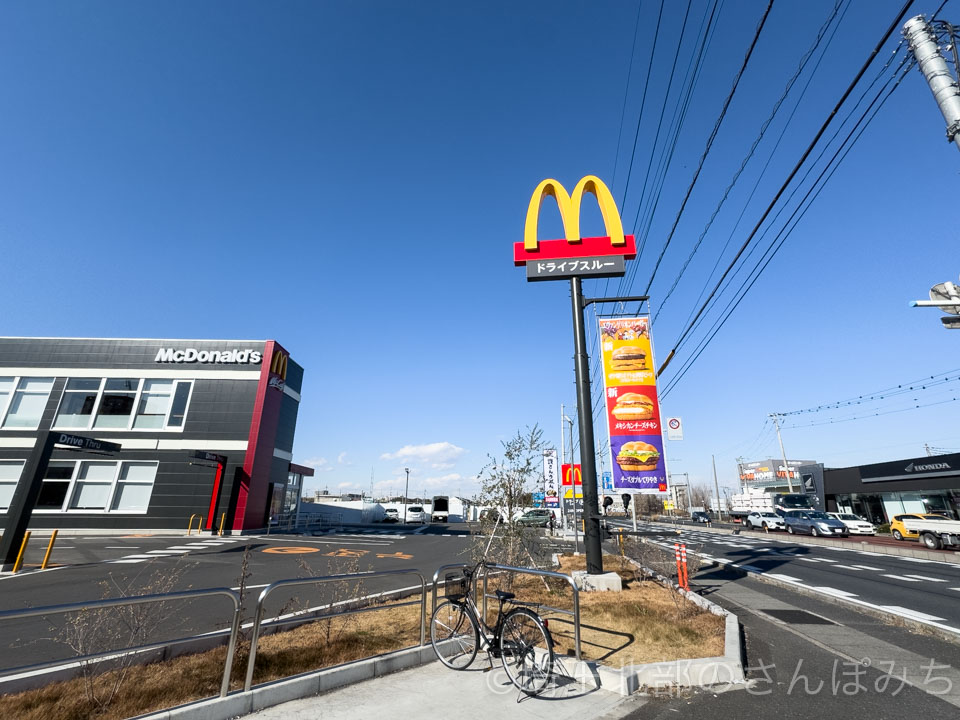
x,y
320,464
342,459
439,455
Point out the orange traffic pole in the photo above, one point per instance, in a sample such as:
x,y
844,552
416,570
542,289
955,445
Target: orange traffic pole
x,y
46,557
23,548
683,563
676,550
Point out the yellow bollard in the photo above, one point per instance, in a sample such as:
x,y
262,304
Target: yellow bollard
x,y
46,558
223,519
190,523
23,548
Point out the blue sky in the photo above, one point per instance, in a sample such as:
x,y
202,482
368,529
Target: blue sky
x,y
349,178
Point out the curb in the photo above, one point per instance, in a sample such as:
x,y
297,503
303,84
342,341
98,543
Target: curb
x,y
240,703
699,672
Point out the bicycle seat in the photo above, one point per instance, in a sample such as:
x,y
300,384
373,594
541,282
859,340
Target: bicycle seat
x,y
503,596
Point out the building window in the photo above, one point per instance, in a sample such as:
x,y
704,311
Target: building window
x,y
154,404
76,406
27,403
110,403
97,487
9,477
94,483
56,483
134,487
116,404
6,390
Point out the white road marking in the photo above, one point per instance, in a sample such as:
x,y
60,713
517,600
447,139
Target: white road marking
x,y
868,567
898,577
826,560
124,560
180,547
788,578
916,560
957,589
142,557
912,613
924,577
848,567
162,552
835,592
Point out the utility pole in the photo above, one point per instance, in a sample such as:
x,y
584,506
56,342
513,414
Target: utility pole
x,y
783,454
923,43
563,500
406,494
740,471
716,487
573,485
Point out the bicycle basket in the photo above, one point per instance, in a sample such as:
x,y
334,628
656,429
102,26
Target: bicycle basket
x,y
455,585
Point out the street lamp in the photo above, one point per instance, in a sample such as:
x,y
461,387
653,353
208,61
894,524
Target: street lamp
x,y
406,491
573,483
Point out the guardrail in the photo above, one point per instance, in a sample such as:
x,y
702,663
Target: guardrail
x,y
258,617
142,600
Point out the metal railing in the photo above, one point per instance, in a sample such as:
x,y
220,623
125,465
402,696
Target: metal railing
x,y
142,600
258,617
526,571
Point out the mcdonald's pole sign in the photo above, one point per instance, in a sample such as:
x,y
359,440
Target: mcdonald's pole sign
x,y
576,257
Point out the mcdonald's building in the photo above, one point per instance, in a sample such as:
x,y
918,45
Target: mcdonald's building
x,y
205,429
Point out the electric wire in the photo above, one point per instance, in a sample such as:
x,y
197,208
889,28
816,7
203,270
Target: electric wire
x,y
760,135
787,229
710,140
928,381
870,415
626,91
796,168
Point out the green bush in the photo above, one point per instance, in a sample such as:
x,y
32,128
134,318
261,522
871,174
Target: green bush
x,y
883,529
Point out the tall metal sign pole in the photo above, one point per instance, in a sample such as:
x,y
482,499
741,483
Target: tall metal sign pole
x,y
588,458
923,43
783,454
576,257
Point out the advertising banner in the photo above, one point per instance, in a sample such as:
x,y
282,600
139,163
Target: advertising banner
x,y
633,411
551,485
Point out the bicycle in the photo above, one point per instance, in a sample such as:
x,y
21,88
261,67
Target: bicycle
x,y
519,637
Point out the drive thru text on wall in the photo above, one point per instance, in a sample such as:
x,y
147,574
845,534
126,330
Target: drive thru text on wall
x,y
633,411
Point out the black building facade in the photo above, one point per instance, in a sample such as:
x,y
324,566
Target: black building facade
x,y
879,491
164,402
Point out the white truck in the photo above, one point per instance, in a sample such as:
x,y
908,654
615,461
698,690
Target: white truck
x,y
440,511
935,534
758,500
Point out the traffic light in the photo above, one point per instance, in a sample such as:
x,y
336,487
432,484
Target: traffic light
x,y
626,501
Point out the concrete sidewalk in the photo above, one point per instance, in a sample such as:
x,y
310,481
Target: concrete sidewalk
x,y
432,690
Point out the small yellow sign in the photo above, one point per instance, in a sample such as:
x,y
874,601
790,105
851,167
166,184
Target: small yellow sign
x,y
668,505
290,550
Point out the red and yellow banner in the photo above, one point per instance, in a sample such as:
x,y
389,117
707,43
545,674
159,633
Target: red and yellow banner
x,y
633,410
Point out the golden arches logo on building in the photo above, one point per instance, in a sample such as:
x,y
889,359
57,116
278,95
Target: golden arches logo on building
x,y
573,245
278,364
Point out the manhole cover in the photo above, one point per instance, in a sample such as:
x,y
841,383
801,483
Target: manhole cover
x,y
798,617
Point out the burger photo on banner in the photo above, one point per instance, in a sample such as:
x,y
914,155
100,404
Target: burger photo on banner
x,y
633,411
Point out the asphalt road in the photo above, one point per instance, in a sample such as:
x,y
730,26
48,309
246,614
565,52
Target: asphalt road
x,y
90,568
914,588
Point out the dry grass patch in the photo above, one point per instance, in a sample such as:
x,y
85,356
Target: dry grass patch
x,y
644,623
148,688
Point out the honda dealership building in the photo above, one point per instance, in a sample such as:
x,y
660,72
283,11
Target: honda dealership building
x,y
205,428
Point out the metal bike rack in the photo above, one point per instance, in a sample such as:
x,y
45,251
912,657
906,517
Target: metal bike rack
x,y
142,600
258,617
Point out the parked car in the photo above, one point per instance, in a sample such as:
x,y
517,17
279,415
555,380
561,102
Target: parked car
x,y
899,531
416,514
768,520
855,524
700,517
391,515
490,515
813,522
535,518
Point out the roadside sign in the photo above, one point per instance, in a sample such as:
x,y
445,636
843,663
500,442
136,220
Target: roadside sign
x,y
674,428
81,442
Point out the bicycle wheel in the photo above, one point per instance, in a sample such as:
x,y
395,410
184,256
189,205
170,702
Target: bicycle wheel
x,y
454,635
526,650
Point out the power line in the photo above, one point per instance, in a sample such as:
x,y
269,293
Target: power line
x,y
626,92
763,129
871,415
787,229
710,140
921,384
796,169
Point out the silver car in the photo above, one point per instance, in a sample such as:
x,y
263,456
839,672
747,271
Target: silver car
x,y
766,520
855,524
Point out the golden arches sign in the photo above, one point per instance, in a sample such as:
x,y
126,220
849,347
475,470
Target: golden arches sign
x,y
569,205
